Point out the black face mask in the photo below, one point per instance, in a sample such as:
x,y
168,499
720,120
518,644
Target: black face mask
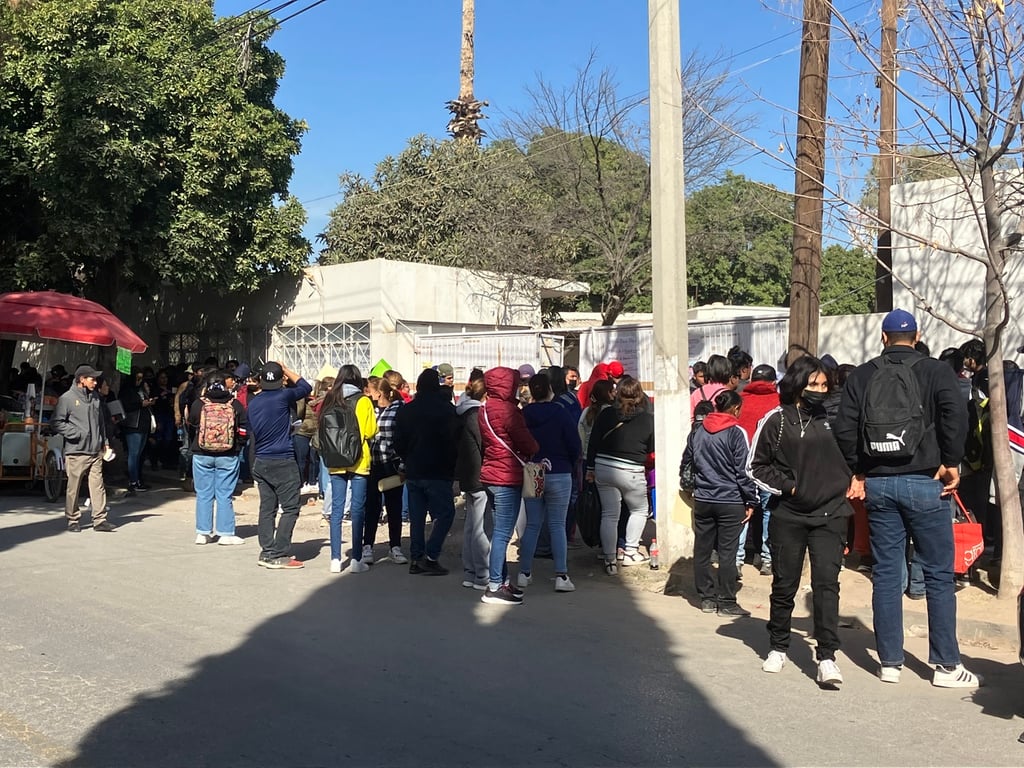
x,y
572,384
814,400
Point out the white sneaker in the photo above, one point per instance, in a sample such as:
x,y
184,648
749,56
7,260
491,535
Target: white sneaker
x,y
358,566
775,662
524,580
828,672
202,538
310,490
229,541
398,557
563,584
890,674
959,677
474,584
367,554
335,566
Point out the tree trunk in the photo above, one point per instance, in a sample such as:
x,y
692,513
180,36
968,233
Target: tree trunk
x,y
1011,578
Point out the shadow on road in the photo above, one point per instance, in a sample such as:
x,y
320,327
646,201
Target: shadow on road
x,y
386,668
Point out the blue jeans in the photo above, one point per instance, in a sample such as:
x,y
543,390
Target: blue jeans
x,y
506,501
766,553
436,496
134,442
215,478
897,506
553,506
339,489
306,458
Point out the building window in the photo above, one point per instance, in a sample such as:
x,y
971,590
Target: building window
x,y
307,348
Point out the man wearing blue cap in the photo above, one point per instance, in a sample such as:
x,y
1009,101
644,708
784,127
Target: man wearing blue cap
x,y
901,426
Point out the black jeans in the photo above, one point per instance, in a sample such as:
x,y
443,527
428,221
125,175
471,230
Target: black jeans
x,y
716,526
392,501
824,538
279,486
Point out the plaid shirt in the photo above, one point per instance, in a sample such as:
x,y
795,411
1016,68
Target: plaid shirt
x,y
382,447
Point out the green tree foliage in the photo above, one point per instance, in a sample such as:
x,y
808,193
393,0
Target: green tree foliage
x,y
134,152
739,243
739,246
847,281
451,203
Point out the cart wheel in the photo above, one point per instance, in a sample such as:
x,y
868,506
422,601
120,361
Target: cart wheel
x,y
54,480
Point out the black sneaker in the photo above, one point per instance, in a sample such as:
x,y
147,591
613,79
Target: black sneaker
x,y
501,596
141,488
416,566
708,606
104,527
766,568
516,591
432,567
74,528
732,610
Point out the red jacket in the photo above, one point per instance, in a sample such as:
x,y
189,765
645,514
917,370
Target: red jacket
x,y
500,417
600,372
759,397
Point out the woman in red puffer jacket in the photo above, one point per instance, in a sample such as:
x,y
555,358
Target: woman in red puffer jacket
x,y
507,445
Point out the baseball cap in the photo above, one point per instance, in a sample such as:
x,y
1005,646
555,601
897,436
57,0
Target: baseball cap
x,y
899,321
88,371
615,369
272,376
444,370
763,372
526,371
242,371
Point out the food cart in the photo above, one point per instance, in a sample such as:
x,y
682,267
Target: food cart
x,y
29,451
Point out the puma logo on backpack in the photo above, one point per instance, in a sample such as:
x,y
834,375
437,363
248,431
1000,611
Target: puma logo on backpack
x,y
216,427
892,415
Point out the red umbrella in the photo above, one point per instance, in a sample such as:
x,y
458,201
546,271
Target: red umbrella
x,y
62,317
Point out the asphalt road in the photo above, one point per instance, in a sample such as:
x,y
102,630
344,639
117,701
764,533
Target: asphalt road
x,y
139,648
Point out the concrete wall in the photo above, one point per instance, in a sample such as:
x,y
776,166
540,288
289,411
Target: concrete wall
x,y
946,215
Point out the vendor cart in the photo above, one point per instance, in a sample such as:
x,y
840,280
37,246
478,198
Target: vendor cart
x,y
29,451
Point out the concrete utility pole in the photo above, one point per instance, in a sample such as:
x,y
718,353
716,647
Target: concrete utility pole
x,y
804,299
886,156
668,249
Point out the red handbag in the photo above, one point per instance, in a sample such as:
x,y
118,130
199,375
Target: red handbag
x,y
968,543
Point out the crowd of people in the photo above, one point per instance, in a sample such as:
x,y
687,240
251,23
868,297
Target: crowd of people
x,y
829,454
832,458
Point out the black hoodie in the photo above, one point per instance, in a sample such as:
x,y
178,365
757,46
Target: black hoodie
x,y
803,456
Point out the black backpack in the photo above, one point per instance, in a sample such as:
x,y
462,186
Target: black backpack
x,y
340,440
892,412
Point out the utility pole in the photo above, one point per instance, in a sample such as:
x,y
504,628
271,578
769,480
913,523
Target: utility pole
x,y
668,253
804,298
886,156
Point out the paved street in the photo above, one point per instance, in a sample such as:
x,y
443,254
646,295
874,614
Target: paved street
x,y
139,648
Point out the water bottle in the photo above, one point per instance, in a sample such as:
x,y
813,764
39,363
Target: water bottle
x,y
654,555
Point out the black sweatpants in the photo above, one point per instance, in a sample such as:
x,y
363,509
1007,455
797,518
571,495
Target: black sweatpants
x,y
716,526
824,538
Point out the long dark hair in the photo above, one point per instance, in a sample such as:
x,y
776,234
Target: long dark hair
x,y
348,374
797,375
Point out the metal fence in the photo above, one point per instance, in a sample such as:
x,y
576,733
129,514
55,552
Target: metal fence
x,y
466,351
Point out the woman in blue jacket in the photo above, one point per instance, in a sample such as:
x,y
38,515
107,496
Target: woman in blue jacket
x,y
554,429
724,498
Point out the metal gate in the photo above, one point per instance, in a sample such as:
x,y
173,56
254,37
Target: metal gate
x,y
307,348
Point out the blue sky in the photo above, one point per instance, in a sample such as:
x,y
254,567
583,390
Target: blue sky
x,y
401,57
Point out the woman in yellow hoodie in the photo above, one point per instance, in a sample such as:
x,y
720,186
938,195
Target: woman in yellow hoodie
x,y
347,392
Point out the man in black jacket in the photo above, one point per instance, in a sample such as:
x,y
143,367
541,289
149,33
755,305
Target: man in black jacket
x,y
427,440
904,495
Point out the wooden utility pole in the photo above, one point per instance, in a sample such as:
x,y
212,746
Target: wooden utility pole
x,y
466,111
668,285
804,299
886,156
